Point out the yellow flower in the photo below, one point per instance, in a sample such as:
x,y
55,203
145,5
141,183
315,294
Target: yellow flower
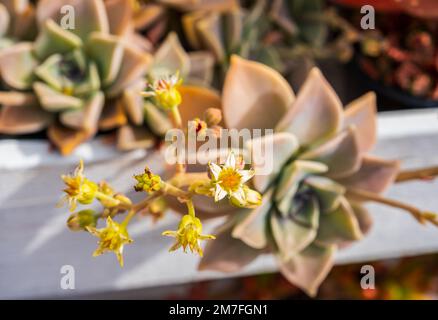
x,y
229,179
189,234
165,92
111,238
147,181
79,189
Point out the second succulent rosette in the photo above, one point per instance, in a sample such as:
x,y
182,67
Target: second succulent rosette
x,y
319,154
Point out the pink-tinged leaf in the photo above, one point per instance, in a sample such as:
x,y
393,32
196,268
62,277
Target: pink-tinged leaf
x,y
375,175
120,13
316,113
17,64
133,102
341,154
363,217
23,119
308,269
132,138
362,113
227,254
4,20
252,230
254,95
268,155
66,139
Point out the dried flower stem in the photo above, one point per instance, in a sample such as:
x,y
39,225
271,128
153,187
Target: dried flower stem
x,y
418,174
421,216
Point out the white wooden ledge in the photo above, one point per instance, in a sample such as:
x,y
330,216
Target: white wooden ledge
x,y
35,244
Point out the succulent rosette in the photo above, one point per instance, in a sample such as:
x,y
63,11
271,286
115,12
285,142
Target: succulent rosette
x,y
81,73
320,153
17,21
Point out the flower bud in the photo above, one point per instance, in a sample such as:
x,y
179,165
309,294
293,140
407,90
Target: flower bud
x,y
252,199
147,181
82,219
213,116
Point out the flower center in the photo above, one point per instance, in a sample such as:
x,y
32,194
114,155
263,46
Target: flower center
x,y
229,179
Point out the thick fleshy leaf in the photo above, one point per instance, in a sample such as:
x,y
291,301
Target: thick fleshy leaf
x,y
65,139
252,230
210,31
341,154
4,20
328,192
88,15
157,121
131,138
362,113
113,115
23,20
17,64
189,22
214,5
268,155
52,100
148,15
49,72
292,234
109,64
201,67
291,177
308,269
87,117
340,225
254,96
316,113
233,28
23,119
133,67
170,58
133,102
119,13
196,100
375,175
227,254
53,39
363,217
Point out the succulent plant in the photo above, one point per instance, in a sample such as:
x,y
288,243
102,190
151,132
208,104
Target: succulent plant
x,y
308,209
17,21
74,81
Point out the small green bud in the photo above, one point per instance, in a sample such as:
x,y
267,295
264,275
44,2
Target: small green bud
x,y
82,219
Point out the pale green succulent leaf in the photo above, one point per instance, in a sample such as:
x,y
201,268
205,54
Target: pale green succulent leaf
x,y
52,100
107,52
91,83
134,102
50,73
53,39
87,117
340,225
4,20
156,120
17,64
308,269
328,192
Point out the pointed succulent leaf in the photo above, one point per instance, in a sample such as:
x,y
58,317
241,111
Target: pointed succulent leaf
x,y
65,139
252,229
133,102
201,67
17,64
170,58
362,114
53,39
23,19
49,72
157,121
87,117
328,192
133,67
292,235
268,155
341,154
309,268
109,64
375,175
189,23
316,114
131,138
293,174
363,217
148,15
91,83
227,254
23,119
232,21
52,100
254,96
210,31
89,15
119,13
113,115
340,225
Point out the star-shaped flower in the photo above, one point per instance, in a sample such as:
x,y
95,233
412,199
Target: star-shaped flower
x,y
229,179
111,238
165,91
